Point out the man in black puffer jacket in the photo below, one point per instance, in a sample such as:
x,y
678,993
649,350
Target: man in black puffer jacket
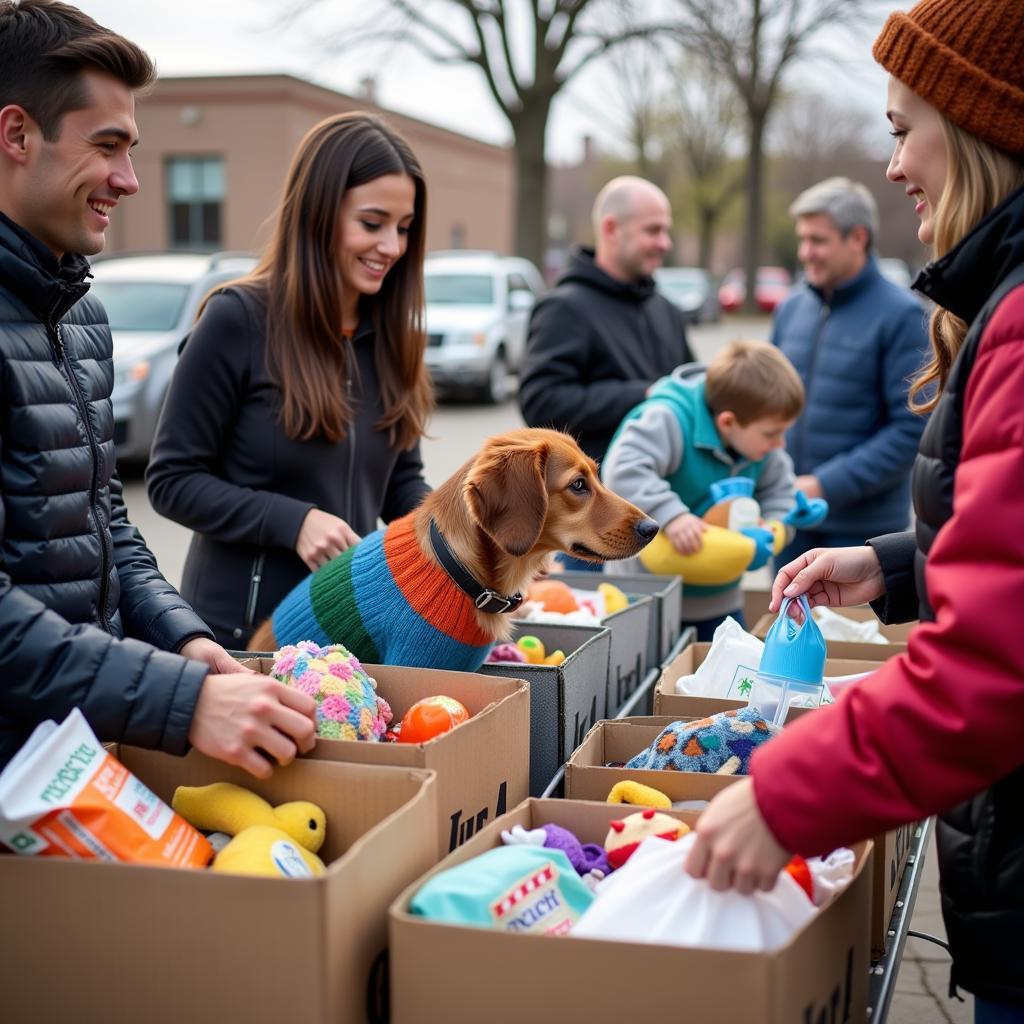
x,y
86,619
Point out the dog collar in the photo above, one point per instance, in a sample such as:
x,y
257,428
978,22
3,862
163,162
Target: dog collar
x,y
485,599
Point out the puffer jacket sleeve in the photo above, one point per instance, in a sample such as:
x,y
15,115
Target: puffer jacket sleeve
x,y
886,457
896,553
938,724
128,691
208,387
551,388
406,486
151,609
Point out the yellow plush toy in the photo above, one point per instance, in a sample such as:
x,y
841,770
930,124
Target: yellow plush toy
x,y
628,792
277,841
626,835
614,599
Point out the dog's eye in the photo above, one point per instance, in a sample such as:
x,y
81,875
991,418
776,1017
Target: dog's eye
x,y
579,485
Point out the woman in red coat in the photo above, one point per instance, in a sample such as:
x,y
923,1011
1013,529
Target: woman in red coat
x,y
937,730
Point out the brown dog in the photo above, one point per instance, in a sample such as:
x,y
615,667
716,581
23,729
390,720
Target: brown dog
x,y
528,493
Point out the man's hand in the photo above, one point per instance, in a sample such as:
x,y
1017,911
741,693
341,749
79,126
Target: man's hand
x,y
734,847
238,716
201,648
686,533
810,485
322,537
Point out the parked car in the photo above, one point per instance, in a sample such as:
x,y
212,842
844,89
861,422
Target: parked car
x,y
770,288
152,300
895,270
478,310
692,290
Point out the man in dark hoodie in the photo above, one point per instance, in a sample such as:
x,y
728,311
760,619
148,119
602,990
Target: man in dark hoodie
x,y
603,335
86,619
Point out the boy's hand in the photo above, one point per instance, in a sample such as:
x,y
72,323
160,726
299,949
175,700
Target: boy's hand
x,y
685,533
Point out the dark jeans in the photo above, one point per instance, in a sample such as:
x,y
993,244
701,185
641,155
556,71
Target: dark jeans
x,y
706,629
807,539
578,564
996,1013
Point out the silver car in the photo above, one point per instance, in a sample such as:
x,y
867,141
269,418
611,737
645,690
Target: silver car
x,y
152,301
478,311
692,290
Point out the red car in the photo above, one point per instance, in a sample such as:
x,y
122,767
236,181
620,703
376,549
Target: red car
x,y
773,284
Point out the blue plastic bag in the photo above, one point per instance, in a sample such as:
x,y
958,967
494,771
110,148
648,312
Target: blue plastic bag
x,y
792,665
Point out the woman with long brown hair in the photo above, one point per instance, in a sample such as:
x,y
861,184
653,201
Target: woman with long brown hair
x,y
936,730
294,416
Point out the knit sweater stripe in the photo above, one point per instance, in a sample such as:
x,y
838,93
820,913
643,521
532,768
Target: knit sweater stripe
x,y
427,588
408,638
293,618
333,599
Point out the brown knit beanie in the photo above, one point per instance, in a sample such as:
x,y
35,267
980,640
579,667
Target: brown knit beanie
x,y
965,58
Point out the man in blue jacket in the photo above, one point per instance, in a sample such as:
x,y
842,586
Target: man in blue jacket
x,y
856,339
86,619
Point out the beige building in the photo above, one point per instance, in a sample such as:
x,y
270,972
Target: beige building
x,y
214,153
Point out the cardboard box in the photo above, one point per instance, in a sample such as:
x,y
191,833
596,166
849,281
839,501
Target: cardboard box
x,y
668,702
495,742
666,615
95,941
896,635
565,700
755,604
587,778
442,972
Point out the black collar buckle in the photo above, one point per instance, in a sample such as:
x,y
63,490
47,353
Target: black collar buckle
x,y
488,601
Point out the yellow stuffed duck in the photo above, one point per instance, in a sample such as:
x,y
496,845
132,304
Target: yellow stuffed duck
x,y
278,841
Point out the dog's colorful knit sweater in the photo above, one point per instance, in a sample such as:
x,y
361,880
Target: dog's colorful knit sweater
x,y
388,605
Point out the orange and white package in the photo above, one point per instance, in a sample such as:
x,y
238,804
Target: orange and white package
x,y
63,795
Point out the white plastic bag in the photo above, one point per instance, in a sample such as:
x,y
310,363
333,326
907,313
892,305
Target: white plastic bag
x,y
651,898
834,626
732,659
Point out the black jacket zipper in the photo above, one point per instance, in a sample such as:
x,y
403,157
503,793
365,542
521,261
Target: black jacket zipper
x,y
64,363
352,456
255,579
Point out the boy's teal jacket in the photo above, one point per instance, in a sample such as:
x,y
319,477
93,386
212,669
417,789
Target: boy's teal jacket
x,y
666,455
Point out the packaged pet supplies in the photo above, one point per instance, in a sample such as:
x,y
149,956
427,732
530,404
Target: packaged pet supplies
x,y
63,795
792,665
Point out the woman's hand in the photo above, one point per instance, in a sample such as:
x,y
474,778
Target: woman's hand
x,y
686,533
831,576
734,847
323,536
201,648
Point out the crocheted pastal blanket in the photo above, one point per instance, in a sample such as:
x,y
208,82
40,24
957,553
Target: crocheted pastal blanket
x,y
388,604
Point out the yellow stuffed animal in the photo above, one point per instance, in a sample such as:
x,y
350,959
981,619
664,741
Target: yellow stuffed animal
x,y
280,841
628,792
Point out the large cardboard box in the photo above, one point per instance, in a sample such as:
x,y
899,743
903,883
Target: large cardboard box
x,y
896,635
666,615
615,742
668,702
449,973
565,700
94,941
482,767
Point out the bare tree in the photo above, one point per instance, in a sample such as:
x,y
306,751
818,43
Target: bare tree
x,y
702,122
753,43
526,52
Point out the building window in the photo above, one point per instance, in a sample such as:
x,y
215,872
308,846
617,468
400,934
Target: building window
x,y
195,195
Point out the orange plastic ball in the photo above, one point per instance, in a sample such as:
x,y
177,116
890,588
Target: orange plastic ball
x,y
431,717
554,595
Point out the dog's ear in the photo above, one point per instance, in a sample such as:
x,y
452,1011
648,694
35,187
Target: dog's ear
x,y
506,495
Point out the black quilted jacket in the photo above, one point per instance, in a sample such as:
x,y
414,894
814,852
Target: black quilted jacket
x,y
76,578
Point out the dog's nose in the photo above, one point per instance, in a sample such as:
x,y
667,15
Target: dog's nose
x,y
646,529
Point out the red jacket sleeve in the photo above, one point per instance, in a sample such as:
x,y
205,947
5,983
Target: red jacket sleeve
x,y
942,722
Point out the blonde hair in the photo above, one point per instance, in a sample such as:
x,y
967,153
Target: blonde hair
x,y
979,178
753,380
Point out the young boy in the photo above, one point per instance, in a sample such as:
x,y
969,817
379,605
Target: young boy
x,y
698,427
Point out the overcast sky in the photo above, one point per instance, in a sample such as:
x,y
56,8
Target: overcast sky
x,y
238,36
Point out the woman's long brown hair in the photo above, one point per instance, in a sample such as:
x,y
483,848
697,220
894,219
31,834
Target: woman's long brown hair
x,y
298,278
980,177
